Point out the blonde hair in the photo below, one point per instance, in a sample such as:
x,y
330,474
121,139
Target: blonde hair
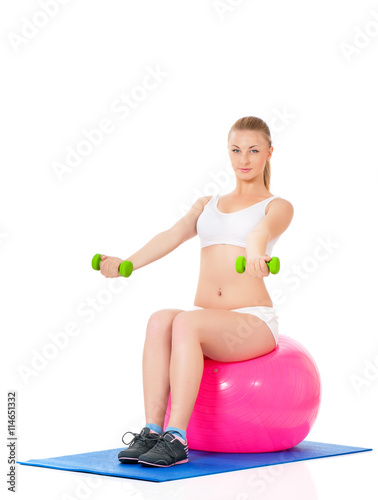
x,y
254,123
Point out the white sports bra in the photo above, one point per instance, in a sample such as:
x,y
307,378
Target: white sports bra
x,y
215,227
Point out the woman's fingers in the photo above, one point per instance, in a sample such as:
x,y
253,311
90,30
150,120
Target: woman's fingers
x,y
264,267
261,267
109,266
257,267
104,266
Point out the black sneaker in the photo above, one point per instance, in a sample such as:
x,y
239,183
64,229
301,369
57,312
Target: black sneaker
x,y
171,449
141,443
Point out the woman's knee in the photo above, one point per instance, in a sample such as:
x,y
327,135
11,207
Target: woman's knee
x,y
183,325
160,322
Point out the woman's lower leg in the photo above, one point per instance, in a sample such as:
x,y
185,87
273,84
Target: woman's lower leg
x,y
156,362
186,371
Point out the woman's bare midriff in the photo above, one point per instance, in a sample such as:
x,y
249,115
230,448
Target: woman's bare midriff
x,y
221,287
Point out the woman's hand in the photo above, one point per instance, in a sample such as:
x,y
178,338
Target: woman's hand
x,y
109,266
256,266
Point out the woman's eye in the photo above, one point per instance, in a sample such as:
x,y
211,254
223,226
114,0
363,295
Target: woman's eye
x,y
252,150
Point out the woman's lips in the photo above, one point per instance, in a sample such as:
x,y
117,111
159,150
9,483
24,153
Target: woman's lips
x,y
245,169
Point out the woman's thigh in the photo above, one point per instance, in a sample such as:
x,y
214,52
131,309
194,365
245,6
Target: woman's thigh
x,y
226,335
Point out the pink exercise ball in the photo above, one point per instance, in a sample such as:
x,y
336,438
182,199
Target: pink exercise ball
x,y
259,405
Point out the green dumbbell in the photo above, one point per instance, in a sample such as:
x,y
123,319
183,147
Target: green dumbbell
x,y
125,268
273,264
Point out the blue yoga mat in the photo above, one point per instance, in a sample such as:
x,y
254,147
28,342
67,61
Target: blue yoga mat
x,y
201,463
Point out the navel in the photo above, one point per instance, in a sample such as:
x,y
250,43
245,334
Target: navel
x,y
219,291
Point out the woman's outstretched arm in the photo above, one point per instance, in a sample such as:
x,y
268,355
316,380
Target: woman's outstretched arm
x,y
161,244
166,241
275,222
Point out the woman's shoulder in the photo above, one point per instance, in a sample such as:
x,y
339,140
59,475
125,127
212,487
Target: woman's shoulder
x,y
205,199
280,204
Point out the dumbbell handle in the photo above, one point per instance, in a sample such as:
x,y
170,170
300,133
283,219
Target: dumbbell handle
x,y
125,268
273,264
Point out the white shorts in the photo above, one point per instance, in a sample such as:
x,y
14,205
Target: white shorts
x,y
267,314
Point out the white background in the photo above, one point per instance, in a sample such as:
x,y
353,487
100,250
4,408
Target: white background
x,y
285,62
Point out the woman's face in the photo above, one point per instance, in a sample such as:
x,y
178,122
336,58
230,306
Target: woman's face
x,y
248,152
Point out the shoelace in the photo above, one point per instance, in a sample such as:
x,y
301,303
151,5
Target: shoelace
x,y
138,437
164,445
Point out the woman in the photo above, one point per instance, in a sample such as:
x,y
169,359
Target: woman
x,y
233,318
